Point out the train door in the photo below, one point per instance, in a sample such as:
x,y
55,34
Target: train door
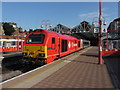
x,y
78,44
64,45
55,45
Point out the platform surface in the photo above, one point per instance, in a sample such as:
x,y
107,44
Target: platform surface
x,y
80,71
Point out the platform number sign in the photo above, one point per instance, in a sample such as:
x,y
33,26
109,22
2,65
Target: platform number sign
x,y
104,30
96,30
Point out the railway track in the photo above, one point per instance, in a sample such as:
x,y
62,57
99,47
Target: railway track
x,y
12,67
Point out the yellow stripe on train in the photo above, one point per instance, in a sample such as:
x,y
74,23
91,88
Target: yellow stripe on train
x,y
35,51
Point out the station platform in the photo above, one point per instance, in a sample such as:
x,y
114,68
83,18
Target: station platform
x,y
77,70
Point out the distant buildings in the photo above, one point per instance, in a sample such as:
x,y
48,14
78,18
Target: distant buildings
x,y
14,25
61,29
17,33
84,26
114,28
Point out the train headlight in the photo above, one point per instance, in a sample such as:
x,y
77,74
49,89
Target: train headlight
x,y
24,54
41,54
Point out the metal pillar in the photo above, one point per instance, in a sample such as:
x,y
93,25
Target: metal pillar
x,y
100,33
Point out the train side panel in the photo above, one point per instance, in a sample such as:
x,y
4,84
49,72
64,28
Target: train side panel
x,y
52,47
68,45
10,45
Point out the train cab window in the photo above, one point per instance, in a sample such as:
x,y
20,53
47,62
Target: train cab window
x,y
64,45
35,39
53,40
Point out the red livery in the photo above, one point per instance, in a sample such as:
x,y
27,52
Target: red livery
x,y
45,46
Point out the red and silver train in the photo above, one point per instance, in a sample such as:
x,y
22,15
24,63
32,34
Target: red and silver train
x,y
111,47
44,46
10,45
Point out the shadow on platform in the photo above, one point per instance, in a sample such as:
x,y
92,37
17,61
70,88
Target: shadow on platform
x,y
83,62
90,55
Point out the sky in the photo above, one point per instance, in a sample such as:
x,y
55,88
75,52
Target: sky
x,y
29,15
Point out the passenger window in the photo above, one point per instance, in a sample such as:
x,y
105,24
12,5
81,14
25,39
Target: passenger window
x,y
53,40
4,43
8,44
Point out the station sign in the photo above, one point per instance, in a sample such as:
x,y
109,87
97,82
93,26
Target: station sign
x,y
96,30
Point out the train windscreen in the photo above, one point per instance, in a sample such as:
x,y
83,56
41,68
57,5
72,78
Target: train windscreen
x,y
35,39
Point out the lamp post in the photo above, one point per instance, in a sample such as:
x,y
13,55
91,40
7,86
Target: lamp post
x,y
100,32
100,61
46,24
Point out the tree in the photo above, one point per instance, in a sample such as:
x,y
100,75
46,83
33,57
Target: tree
x,y
20,29
8,29
30,30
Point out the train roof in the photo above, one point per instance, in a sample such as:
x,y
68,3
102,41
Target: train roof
x,y
58,34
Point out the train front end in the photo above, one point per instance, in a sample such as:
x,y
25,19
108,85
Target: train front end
x,y
34,49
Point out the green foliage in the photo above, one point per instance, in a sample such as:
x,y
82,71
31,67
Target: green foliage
x,y
8,29
30,30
